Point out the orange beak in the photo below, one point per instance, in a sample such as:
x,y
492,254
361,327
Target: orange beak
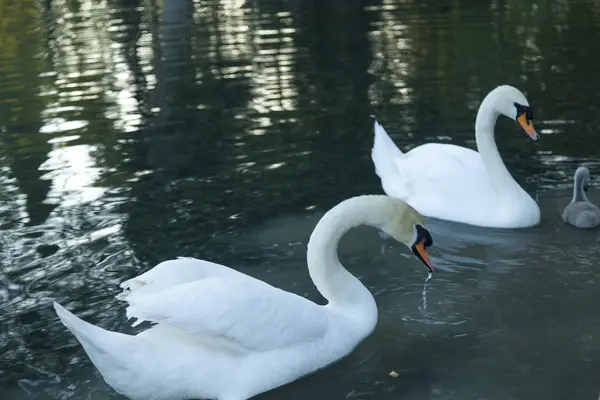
x,y
527,126
422,254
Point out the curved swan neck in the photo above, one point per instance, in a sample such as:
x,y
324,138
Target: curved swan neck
x,y
578,192
332,280
486,143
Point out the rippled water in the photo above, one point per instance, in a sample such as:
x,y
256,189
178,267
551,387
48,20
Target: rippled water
x,y
132,132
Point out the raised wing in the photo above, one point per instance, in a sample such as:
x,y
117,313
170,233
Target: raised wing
x,y
241,315
384,152
174,272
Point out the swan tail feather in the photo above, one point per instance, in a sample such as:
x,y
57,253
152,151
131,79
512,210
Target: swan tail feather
x,y
388,160
384,152
107,350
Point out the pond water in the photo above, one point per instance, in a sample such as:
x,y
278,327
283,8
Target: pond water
x,y
134,131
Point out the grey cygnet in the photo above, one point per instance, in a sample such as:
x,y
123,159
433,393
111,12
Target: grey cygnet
x,y
580,212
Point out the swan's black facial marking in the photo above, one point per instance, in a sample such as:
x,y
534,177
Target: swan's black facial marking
x,y
585,188
423,234
524,118
521,109
419,247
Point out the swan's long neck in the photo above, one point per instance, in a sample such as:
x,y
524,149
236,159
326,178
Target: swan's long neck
x,y
333,281
486,145
578,192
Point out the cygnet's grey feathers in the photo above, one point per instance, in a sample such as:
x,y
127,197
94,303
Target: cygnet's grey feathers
x,y
580,212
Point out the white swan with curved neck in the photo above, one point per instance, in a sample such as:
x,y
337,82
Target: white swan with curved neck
x,y
224,335
454,183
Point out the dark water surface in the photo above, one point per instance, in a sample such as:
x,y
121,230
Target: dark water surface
x,y
132,132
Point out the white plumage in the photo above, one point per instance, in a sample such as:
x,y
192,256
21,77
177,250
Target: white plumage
x,y
224,335
458,184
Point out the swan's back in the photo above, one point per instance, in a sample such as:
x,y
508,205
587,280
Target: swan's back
x,y
582,214
426,174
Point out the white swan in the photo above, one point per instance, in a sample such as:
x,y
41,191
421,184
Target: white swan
x,y
454,183
224,335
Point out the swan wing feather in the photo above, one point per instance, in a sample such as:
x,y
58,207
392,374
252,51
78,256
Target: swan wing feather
x,y
173,272
238,314
441,174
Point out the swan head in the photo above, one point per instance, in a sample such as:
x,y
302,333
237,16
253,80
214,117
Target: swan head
x,y
582,178
408,227
509,101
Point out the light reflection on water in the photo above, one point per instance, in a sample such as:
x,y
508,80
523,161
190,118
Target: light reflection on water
x,y
132,133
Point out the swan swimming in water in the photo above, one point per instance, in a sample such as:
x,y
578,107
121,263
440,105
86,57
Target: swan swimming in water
x,y
458,184
580,212
221,334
